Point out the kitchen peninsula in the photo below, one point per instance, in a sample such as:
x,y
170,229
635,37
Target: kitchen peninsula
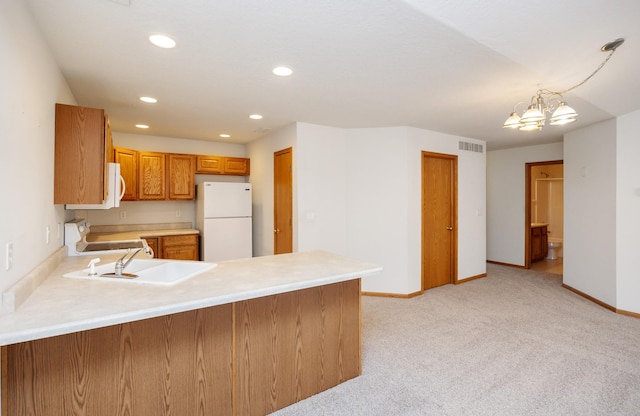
x,y
245,338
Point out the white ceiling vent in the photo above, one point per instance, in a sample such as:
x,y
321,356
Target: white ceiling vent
x,y
123,2
471,147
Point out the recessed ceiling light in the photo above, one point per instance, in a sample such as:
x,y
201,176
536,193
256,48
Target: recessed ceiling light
x,y
148,100
162,41
255,116
225,136
282,71
142,126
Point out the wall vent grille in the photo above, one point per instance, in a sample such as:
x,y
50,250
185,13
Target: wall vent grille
x,y
471,147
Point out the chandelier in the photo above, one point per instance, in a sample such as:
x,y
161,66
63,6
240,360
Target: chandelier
x,y
552,102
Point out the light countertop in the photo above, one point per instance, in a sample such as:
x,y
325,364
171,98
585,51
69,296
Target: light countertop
x,y
61,305
137,234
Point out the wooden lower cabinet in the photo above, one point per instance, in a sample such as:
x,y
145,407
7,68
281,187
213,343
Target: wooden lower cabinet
x,y
180,247
175,247
245,358
153,245
539,243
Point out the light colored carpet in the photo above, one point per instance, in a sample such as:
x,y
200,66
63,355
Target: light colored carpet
x,y
512,343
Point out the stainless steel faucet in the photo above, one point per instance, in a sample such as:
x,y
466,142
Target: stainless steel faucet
x,y
121,264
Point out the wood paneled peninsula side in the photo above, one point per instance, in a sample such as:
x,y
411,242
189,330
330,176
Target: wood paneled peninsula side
x,y
245,338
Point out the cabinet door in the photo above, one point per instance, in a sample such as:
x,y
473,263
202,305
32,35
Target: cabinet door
x,y
108,140
79,155
181,176
128,160
236,166
151,176
544,242
180,247
210,164
537,251
153,245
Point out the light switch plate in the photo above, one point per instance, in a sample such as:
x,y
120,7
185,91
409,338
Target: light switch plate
x,y
8,264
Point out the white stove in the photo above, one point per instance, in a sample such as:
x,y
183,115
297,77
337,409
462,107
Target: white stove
x,y
75,238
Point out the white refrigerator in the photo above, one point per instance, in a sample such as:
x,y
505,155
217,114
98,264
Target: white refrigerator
x,y
223,217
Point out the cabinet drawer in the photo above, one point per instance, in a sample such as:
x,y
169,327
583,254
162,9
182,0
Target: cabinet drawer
x,y
179,240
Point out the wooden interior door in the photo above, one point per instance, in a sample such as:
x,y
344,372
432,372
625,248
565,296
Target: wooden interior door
x,y
439,219
282,202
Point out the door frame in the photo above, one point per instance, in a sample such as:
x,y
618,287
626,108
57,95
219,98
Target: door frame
x,y
454,216
527,207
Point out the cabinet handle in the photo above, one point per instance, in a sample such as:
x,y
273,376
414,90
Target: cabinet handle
x,y
276,230
449,228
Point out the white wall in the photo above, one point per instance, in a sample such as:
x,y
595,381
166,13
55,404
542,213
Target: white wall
x,y
379,224
358,192
261,154
154,212
31,84
627,213
385,197
177,145
321,167
506,199
590,207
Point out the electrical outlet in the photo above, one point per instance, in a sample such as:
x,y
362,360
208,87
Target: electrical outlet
x,y
47,234
123,215
178,214
8,264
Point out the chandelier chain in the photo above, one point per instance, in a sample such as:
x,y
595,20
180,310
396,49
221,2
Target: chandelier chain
x,y
585,80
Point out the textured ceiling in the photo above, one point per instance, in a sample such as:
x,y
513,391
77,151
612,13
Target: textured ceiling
x,y
452,66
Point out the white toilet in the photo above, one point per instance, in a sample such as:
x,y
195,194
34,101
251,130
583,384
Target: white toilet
x,y
555,248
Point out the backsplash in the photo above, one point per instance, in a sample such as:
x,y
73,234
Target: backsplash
x,y
142,212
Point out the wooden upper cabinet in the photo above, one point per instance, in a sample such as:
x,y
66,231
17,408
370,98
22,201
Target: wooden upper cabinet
x,y
220,165
236,166
210,164
128,160
80,155
151,176
108,141
181,176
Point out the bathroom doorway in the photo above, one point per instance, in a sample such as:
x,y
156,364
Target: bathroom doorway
x,y
544,205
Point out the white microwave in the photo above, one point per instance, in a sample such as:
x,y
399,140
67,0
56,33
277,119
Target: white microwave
x,y
115,191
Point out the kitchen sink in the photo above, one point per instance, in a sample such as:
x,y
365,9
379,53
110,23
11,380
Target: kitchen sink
x,y
146,271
